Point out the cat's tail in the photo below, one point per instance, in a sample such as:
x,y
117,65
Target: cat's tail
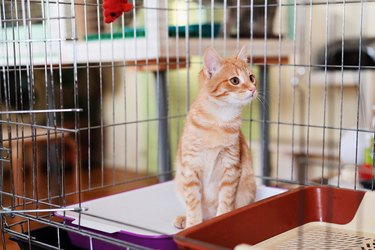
x,y
180,222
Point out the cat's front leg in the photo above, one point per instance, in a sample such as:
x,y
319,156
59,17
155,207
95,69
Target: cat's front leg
x,y
227,190
192,193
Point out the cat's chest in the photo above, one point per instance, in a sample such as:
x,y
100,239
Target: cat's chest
x,y
215,162
217,138
213,167
217,159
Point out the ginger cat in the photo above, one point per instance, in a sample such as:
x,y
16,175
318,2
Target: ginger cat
x,y
214,169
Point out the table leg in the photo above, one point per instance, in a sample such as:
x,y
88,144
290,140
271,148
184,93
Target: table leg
x,y
264,117
53,163
164,158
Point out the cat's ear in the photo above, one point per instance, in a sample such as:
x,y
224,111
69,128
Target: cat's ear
x,y
211,62
243,55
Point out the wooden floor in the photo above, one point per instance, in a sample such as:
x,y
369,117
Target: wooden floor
x,y
103,182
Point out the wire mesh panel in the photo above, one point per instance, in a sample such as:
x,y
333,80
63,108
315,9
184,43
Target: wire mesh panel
x,y
91,109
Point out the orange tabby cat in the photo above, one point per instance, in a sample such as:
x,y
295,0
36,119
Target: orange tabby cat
x,y
214,170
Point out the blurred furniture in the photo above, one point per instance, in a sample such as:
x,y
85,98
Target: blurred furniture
x,y
26,147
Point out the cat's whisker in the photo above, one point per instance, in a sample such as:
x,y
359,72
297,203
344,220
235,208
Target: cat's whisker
x,y
263,101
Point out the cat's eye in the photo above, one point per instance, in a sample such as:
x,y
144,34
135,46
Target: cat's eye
x,y
252,78
234,81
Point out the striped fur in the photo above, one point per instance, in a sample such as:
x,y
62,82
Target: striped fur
x,y
214,170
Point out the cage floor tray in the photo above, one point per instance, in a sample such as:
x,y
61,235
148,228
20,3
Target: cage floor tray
x,y
305,218
144,217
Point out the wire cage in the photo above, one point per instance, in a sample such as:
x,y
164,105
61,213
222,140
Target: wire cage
x,y
90,110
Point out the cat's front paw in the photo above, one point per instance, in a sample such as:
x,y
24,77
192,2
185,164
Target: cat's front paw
x,y
180,222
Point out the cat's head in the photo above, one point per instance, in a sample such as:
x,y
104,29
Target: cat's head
x,y
228,80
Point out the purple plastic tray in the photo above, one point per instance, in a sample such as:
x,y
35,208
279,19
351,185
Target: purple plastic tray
x,y
153,242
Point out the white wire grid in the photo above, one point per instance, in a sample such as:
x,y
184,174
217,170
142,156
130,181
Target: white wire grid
x,y
87,106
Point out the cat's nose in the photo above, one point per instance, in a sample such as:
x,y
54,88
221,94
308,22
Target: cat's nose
x,y
252,89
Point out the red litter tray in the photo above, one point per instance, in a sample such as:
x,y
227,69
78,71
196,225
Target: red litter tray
x,y
143,217
304,218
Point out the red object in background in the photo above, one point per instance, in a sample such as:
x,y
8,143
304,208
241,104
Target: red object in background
x,y
365,172
114,8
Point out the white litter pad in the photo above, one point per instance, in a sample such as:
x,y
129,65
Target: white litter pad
x,y
148,211
357,234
